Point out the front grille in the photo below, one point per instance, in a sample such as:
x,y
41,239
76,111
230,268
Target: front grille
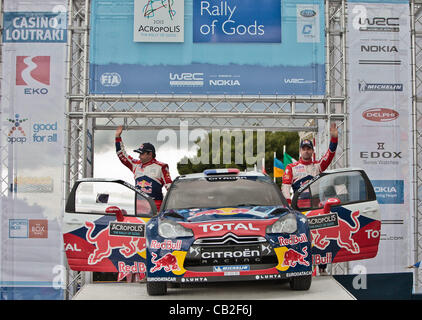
x,y
230,250
229,239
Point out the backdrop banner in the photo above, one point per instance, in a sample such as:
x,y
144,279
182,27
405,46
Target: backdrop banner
x,y
236,47
379,90
32,121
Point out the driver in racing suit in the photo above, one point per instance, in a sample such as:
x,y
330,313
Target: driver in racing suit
x,y
299,173
150,177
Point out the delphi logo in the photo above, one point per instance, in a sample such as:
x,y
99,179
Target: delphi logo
x,y
33,72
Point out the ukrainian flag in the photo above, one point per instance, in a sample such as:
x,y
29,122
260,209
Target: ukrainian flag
x,y
278,168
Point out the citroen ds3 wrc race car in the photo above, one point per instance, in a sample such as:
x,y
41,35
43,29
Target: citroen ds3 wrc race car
x,y
221,225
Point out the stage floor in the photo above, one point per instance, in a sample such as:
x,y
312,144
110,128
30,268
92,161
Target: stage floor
x,y
322,288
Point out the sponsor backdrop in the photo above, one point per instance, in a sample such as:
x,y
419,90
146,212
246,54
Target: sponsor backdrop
x,y
380,117
207,47
32,119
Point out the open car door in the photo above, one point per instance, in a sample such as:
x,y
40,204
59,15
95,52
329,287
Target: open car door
x,y
104,226
343,215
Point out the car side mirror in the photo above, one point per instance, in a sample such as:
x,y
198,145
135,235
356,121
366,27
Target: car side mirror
x,y
117,212
330,202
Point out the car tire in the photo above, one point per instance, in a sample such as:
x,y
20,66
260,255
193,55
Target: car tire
x,y
156,288
301,283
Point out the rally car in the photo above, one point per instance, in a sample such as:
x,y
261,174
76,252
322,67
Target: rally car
x,y
221,225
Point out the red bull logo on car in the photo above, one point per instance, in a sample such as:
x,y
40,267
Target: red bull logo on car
x,y
168,262
105,243
293,257
341,232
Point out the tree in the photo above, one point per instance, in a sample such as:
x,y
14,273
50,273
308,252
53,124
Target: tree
x,y
213,153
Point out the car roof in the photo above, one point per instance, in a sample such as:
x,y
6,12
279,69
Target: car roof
x,y
240,174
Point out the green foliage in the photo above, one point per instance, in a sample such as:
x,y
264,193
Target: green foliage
x,y
206,159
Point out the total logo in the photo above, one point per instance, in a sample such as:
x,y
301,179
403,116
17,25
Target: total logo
x,y
33,72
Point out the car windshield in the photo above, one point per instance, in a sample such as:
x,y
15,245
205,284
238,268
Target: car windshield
x,y
223,191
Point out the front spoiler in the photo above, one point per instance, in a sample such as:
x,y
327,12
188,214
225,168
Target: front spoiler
x,y
204,277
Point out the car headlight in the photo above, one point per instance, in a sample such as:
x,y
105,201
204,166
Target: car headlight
x,y
286,224
171,229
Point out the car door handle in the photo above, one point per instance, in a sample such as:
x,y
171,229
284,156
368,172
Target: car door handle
x,y
369,210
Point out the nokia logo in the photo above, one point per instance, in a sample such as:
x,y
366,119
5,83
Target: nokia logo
x,y
222,82
375,48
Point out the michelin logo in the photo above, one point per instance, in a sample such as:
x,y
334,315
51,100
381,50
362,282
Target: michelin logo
x,y
363,86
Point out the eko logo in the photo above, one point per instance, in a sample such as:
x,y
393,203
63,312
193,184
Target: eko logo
x,y
33,72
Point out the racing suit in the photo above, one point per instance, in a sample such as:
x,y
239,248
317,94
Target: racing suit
x,y
298,173
149,177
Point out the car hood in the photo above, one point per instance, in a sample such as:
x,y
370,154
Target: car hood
x,y
225,213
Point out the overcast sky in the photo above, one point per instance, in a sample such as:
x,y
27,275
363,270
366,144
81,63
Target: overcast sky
x,y
107,164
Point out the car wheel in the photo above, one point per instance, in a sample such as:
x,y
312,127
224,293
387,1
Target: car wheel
x,y
301,283
156,288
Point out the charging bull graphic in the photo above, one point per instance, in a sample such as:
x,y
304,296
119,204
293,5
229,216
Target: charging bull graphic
x,y
341,232
168,262
292,257
105,243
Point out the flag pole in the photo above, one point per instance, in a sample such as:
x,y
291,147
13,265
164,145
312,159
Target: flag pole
x,y
275,156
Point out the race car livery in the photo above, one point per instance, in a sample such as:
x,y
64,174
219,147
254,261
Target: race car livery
x,y
222,226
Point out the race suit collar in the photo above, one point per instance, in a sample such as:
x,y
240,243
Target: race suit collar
x,y
305,162
148,163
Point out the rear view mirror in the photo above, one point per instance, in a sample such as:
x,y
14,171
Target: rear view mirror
x,y
117,212
330,202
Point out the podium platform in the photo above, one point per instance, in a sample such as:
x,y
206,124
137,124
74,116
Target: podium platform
x,y
322,288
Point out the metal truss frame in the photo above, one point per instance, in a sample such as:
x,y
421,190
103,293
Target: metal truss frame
x,y
86,113
416,30
137,112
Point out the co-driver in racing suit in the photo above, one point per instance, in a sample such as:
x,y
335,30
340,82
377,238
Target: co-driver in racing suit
x,y
298,173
